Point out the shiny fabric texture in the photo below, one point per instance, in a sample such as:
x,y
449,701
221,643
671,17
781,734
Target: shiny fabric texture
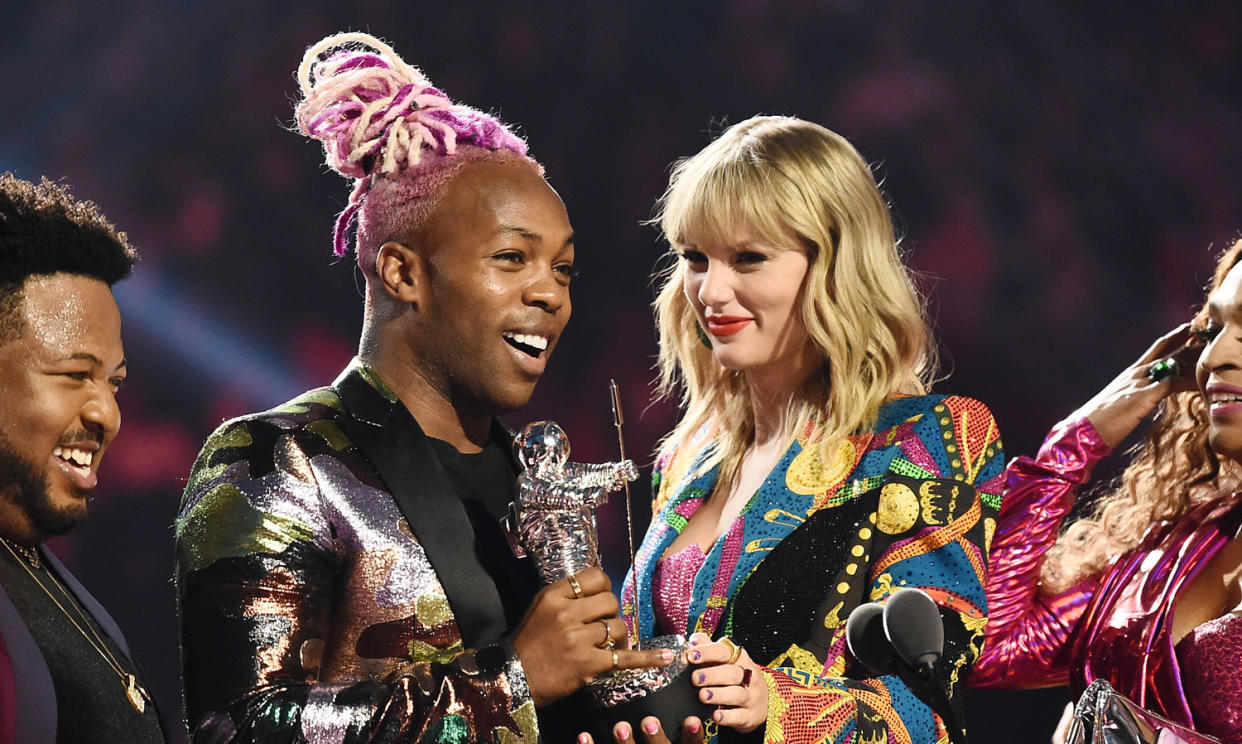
x,y
1116,626
310,612
1211,659
668,584
909,503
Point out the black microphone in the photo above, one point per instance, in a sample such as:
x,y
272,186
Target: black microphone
x,y
864,635
912,624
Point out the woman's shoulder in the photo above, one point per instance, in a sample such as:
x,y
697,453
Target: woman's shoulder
x,y
677,456
691,444
957,433
947,410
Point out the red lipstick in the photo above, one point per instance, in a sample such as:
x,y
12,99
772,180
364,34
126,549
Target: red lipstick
x,y
726,325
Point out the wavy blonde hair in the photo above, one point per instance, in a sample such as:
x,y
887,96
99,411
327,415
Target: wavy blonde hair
x,y
1172,469
795,183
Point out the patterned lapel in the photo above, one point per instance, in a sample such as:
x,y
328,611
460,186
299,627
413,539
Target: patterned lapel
x,y
395,445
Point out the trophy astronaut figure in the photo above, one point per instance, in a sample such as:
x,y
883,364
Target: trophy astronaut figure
x,y
553,519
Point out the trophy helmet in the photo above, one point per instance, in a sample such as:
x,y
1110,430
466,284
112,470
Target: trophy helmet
x,y
542,446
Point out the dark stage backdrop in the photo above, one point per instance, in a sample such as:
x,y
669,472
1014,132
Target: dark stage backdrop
x,y
1062,172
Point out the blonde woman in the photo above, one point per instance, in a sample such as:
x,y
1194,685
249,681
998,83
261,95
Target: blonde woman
x,y
811,471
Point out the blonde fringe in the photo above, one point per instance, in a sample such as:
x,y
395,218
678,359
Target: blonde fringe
x,y
793,182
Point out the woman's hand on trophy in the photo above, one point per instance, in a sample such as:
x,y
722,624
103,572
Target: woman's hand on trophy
x,y
729,679
571,634
652,732
1168,366
1061,734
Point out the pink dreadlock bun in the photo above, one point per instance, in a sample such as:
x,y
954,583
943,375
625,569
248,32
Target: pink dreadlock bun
x,y
383,124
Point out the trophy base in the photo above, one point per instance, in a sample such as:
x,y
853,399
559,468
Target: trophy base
x,y
633,694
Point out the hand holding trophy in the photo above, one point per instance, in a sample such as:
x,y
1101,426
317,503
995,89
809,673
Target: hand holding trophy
x,y
553,521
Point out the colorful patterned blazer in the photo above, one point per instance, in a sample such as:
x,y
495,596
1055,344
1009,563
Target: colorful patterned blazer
x,y
910,503
329,587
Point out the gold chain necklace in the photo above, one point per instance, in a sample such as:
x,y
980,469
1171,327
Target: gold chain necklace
x,y
134,692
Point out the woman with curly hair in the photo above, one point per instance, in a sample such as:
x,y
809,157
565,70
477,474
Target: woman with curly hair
x,y
1146,590
811,471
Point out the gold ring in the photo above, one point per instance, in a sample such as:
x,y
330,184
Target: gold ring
x,y
573,584
608,644
736,650
616,660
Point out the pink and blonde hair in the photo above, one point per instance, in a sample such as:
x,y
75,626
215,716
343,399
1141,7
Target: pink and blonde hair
x,y
383,124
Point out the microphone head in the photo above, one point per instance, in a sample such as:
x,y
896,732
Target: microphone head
x,y
864,634
913,625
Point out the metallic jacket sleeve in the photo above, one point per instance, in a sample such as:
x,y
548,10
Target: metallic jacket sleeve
x,y
1028,634
278,616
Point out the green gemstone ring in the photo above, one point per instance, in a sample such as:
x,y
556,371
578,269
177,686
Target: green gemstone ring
x,y
1164,369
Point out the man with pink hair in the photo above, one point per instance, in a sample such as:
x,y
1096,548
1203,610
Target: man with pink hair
x,y
341,569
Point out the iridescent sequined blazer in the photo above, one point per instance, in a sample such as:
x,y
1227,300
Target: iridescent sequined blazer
x,y
910,503
329,589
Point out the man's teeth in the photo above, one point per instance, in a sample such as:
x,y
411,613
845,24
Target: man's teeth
x,y
526,339
79,457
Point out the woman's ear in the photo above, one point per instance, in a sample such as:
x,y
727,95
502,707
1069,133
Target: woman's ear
x,y
401,272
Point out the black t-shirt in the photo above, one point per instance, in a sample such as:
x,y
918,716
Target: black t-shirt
x,y
91,705
487,482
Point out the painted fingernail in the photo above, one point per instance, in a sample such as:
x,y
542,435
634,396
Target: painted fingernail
x,y
623,730
651,727
718,716
694,642
696,655
707,694
692,727
701,677
583,739
667,654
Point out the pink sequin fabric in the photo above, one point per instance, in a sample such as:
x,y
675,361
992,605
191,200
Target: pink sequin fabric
x,y
1115,626
1211,660
672,581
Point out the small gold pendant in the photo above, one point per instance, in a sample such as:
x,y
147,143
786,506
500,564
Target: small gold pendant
x,y
137,696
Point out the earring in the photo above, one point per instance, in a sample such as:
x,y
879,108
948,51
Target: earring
x,y
703,338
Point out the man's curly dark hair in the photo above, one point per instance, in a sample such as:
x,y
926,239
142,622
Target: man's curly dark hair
x,y
45,231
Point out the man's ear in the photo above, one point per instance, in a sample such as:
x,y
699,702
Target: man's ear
x,y
401,271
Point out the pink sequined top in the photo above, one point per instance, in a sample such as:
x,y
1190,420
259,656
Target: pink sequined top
x,y
1115,626
672,581
1211,660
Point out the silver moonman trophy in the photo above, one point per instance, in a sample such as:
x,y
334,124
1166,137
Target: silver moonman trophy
x,y
553,521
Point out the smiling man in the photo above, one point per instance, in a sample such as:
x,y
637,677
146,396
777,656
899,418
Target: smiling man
x,y
65,670
342,569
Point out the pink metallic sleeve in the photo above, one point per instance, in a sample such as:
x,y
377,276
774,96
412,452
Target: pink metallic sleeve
x,y
1026,641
